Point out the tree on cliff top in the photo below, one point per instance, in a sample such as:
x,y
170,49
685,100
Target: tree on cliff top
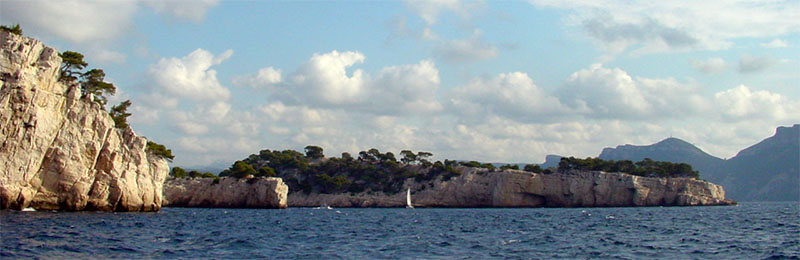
x,y
92,82
71,65
160,150
120,114
12,29
314,152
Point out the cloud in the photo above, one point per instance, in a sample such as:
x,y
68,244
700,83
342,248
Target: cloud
x,y
510,95
751,64
777,43
325,82
710,65
191,76
74,20
613,93
658,26
429,10
406,88
741,103
194,11
93,21
466,50
324,78
264,78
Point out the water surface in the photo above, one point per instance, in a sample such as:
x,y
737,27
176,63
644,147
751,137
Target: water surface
x,y
750,230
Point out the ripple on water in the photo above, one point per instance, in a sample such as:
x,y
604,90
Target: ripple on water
x,y
753,231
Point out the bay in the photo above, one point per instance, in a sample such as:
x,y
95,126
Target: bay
x,y
749,230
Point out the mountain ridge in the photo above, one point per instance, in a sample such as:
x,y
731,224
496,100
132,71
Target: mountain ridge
x,y
767,170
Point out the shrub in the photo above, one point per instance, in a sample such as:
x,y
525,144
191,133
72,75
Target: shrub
x,y
160,150
12,29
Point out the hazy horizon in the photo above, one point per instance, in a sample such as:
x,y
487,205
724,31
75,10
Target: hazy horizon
x,y
468,80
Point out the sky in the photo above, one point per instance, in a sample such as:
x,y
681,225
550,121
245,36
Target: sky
x,y
493,81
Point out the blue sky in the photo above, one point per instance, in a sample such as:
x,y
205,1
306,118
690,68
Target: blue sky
x,y
504,81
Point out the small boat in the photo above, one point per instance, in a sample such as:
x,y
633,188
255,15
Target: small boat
x,y
28,209
408,199
324,206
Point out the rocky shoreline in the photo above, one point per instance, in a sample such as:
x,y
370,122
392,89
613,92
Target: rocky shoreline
x,y
225,192
511,188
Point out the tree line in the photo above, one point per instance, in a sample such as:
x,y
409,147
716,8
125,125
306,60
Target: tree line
x,y
646,167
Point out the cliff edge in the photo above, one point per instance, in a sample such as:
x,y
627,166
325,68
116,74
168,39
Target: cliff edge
x,y
61,151
227,192
477,187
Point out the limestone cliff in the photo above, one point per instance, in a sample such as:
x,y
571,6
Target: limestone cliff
x,y
61,151
228,192
481,188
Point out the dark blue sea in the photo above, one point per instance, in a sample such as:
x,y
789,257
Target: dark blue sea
x,y
747,231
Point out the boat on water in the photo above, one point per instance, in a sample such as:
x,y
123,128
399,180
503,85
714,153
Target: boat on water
x,y
28,209
324,206
408,199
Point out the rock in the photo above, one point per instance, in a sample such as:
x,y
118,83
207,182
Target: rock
x,y
511,188
58,152
227,192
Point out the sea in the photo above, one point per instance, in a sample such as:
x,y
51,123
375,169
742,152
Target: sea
x,y
748,231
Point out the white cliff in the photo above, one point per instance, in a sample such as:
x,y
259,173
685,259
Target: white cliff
x,y
61,151
481,188
227,192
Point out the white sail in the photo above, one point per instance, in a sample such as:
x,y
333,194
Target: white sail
x,y
408,199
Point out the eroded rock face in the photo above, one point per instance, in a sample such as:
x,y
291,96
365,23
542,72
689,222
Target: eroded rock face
x,y
511,188
61,151
225,193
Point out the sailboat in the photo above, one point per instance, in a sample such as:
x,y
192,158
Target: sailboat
x,y
408,199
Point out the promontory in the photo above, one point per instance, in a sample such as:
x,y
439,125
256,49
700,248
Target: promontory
x,y
59,148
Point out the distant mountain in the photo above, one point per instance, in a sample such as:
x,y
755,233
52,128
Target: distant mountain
x,y
767,171
551,160
670,150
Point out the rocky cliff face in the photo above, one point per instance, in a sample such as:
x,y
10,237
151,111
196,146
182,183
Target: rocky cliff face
x,y
61,151
226,193
511,188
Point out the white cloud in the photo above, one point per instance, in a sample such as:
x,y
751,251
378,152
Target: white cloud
x,y
741,103
511,95
406,88
658,26
264,78
191,76
429,10
613,93
777,43
604,92
324,82
466,50
93,21
324,78
710,65
194,10
750,64
74,20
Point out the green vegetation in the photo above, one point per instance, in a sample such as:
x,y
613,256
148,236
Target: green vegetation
x,y
12,29
120,114
372,170
646,167
375,171
179,172
160,150
92,81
